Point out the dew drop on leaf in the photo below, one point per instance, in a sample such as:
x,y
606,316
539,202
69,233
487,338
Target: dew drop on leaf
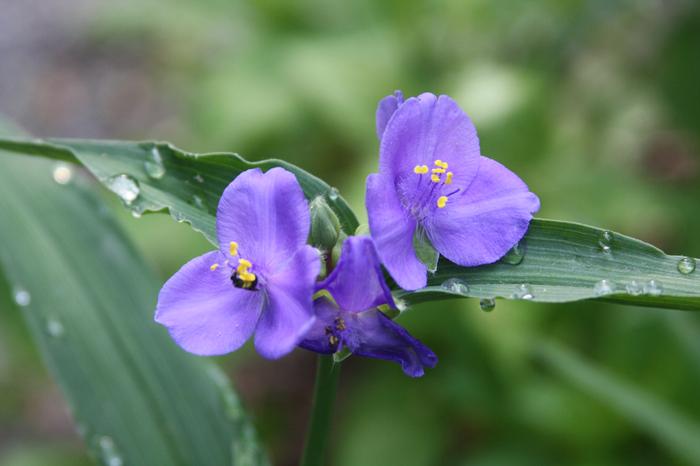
x,y
456,286
109,453
603,287
634,288
22,297
62,173
199,178
654,288
124,186
686,265
524,291
198,202
605,241
54,328
487,304
154,164
333,194
515,255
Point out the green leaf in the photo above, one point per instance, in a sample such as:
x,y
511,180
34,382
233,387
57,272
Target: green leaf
x,y
561,262
152,176
555,262
88,299
678,433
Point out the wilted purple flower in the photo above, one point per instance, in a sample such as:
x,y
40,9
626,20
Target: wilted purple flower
x,y
433,181
260,280
347,316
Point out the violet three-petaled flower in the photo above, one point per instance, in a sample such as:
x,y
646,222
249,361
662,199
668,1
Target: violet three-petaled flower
x,y
261,280
350,318
433,178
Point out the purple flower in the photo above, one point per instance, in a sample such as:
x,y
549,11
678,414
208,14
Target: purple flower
x,y
260,280
349,317
434,182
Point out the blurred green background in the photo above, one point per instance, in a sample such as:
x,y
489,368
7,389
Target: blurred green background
x,y
595,104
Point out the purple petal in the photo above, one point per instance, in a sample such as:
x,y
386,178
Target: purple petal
x,y
204,313
392,230
289,313
374,335
425,129
480,225
357,282
385,109
266,214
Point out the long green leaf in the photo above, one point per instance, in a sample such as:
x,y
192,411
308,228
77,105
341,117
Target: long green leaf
x,y
88,299
556,262
679,434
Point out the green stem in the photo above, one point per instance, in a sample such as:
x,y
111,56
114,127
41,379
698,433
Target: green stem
x,y
327,373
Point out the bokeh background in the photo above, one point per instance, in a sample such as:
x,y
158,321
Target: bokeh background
x,y
596,104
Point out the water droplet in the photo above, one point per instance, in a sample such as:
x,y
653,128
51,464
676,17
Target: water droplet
x,y
109,453
199,178
634,288
54,328
515,255
401,305
487,304
524,291
654,288
198,202
154,164
136,213
333,194
686,265
22,297
62,173
178,216
604,287
456,286
124,186
605,241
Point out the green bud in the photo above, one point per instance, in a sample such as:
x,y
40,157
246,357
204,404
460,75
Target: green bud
x,y
325,226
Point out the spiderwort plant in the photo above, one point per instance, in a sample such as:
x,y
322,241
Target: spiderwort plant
x,y
434,184
347,314
261,280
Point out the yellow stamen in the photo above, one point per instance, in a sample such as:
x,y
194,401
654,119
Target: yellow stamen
x,y
441,164
233,248
247,277
438,170
448,180
442,200
435,178
213,267
244,263
420,169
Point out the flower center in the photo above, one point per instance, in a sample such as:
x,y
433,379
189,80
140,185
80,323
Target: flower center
x,y
422,195
241,276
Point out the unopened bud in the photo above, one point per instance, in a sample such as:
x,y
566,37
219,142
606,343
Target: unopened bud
x,y
325,226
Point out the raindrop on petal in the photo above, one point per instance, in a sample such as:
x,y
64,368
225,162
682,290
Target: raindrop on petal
x,y
456,286
686,265
62,173
604,287
154,164
124,186
487,304
22,297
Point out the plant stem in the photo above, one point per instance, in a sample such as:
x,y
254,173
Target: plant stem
x,y
327,372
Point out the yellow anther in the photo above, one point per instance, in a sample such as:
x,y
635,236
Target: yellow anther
x,y
435,178
442,200
213,267
448,180
438,170
233,248
441,164
420,169
244,263
247,277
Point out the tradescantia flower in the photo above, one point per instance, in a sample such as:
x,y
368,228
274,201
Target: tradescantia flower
x,y
433,183
347,316
261,280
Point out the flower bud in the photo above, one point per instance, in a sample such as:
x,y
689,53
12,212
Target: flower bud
x,y
325,226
